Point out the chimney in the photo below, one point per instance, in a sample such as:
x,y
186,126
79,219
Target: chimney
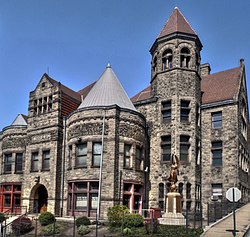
x,y
205,69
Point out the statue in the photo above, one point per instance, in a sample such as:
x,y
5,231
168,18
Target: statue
x,y
174,172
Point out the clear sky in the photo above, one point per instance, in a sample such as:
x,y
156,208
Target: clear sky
x,y
74,40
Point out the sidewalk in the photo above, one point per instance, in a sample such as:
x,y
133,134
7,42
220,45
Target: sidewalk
x,y
224,228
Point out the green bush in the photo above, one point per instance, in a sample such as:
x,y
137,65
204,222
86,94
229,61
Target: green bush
x,y
82,221
83,230
127,231
51,229
21,225
46,218
2,217
115,214
133,220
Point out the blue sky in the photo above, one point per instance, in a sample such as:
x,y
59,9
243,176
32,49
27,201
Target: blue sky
x,y
74,40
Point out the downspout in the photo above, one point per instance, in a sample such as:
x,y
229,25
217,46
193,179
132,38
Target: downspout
x,y
100,174
63,162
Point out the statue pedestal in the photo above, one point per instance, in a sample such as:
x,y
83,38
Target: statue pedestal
x,y
173,215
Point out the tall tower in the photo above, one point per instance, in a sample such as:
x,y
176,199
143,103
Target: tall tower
x,y
175,84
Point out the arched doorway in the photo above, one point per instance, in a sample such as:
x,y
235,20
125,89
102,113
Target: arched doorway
x,y
39,195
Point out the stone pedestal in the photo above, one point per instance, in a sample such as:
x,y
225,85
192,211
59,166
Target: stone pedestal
x,y
173,215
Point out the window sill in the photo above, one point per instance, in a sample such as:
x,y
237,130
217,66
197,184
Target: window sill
x,y
94,166
32,171
80,167
18,172
128,168
45,170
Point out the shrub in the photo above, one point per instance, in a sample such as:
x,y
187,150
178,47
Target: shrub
x,y
115,214
82,221
51,229
83,230
46,218
21,225
2,217
127,231
133,220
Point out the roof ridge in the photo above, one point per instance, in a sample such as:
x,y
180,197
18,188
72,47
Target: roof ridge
x,y
186,20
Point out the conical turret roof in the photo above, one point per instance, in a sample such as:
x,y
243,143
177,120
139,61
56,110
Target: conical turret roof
x,y
176,23
107,91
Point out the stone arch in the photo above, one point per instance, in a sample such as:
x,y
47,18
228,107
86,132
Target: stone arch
x,y
38,199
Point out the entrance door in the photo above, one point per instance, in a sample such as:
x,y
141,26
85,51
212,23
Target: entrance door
x,y
40,199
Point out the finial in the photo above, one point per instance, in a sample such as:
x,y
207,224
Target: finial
x,y
108,66
176,8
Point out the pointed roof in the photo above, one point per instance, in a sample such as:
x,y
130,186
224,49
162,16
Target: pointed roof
x,y
176,23
20,120
107,91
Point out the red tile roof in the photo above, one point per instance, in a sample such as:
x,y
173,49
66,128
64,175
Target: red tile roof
x,y
176,23
215,87
220,86
143,95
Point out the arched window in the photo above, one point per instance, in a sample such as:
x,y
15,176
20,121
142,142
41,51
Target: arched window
x,y
185,58
167,59
154,66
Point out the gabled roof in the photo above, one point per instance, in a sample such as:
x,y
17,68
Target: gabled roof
x,y
20,120
176,23
216,87
220,86
107,91
64,88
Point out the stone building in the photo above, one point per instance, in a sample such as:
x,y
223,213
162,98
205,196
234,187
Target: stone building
x,y
78,153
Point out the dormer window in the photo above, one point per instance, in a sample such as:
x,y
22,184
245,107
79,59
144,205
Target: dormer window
x,y
185,58
167,59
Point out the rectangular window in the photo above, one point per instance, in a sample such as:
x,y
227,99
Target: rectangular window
x,y
34,161
70,157
19,163
139,159
185,110
217,153
46,160
7,163
184,148
7,200
127,156
166,111
83,196
217,191
81,155
217,120
96,154
81,201
166,148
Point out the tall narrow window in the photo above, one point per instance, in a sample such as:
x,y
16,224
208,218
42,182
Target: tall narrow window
x,y
7,163
127,156
161,196
154,66
180,189
166,148
217,120
81,155
19,163
166,110
185,110
139,159
70,158
185,58
217,153
167,59
96,156
188,190
46,160
34,161
184,148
